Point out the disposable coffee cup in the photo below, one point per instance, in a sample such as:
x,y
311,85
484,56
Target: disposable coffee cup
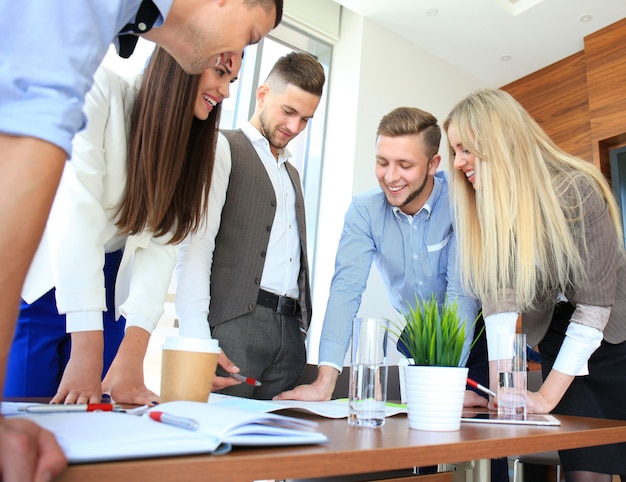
x,y
187,368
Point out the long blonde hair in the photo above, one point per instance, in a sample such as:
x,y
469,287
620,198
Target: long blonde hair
x,y
520,227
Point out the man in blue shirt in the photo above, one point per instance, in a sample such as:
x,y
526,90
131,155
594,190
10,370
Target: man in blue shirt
x,y
49,52
405,227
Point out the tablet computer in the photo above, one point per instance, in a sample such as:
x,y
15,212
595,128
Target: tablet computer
x,y
492,417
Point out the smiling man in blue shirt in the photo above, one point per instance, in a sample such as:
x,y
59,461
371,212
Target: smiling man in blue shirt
x,y
49,52
405,227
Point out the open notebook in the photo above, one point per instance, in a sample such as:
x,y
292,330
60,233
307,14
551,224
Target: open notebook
x,y
98,436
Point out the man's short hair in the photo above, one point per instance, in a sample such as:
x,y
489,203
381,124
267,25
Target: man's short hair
x,y
267,5
299,69
406,121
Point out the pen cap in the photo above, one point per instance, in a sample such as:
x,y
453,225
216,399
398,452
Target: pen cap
x,y
187,368
183,343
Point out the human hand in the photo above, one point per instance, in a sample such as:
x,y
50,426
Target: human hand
x,y
320,390
28,452
472,399
537,403
310,393
222,382
127,388
81,379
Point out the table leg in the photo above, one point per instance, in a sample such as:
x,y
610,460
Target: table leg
x,y
473,471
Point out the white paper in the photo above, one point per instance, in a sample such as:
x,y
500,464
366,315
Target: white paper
x,y
328,409
98,436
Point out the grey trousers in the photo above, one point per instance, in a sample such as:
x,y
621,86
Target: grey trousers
x,y
266,346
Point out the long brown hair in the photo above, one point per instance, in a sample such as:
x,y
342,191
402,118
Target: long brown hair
x,y
170,154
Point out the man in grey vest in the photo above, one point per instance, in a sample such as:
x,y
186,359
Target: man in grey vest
x,y
243,278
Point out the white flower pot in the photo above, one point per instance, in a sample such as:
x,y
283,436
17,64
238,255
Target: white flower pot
x,y
434,396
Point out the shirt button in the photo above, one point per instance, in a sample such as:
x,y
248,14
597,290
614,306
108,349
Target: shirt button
x,y
142,26
250,307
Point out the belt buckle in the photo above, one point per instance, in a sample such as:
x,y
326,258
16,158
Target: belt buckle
x,y
286,306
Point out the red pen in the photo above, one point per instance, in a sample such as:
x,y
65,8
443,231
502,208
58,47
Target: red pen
x,y
475,384
248,380
66,407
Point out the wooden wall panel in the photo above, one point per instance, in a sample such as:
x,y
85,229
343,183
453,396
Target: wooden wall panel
x,y
605,52
556,97
580,101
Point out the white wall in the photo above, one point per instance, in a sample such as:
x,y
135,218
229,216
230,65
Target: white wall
x,y
373,71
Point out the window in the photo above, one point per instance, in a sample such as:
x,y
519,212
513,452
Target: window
x,y
618,180
307,147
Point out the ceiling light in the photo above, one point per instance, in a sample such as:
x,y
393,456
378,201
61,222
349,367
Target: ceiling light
x,y
505,57
585,18
432,12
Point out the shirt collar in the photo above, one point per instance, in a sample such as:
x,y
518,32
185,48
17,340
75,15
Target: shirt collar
x,y
256,138
151,13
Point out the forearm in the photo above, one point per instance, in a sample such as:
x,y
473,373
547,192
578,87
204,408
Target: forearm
x,y
29,175
125,381
132,351
86,352
327,378
552,390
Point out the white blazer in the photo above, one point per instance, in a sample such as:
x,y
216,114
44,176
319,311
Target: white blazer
x,y
81,227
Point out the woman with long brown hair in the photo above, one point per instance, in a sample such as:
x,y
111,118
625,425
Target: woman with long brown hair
x,y
136,185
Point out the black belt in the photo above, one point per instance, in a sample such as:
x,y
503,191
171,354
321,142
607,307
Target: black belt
x,y
282,305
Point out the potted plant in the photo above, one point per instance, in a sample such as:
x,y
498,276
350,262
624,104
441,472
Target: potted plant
x,y
432,337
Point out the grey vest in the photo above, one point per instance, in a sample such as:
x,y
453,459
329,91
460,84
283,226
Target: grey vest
x,y
241,243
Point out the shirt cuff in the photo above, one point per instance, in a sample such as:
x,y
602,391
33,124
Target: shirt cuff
x,y
83,321
495,325
194,328
140,322
329,364
579,344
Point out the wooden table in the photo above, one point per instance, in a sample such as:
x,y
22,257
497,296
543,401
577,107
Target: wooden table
x,y
354,450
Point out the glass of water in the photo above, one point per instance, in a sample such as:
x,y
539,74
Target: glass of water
x,y
368,372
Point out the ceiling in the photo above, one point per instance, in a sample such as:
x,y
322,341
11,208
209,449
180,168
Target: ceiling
x,y
474,35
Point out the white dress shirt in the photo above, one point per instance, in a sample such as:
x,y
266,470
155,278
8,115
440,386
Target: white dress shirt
x,y
282,262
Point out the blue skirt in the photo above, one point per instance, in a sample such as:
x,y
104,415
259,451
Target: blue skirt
x,y
41,347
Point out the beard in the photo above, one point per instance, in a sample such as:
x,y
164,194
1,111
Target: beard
x,y
412,195
269,131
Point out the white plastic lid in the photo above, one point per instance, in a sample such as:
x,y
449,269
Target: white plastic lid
x,y
183,343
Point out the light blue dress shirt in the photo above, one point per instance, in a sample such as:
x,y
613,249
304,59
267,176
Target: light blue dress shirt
x,y
49,52
415,255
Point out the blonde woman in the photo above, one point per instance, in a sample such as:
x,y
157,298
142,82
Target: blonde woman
x,y
539,234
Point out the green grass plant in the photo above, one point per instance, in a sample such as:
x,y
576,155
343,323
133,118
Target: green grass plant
x,y
433,335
